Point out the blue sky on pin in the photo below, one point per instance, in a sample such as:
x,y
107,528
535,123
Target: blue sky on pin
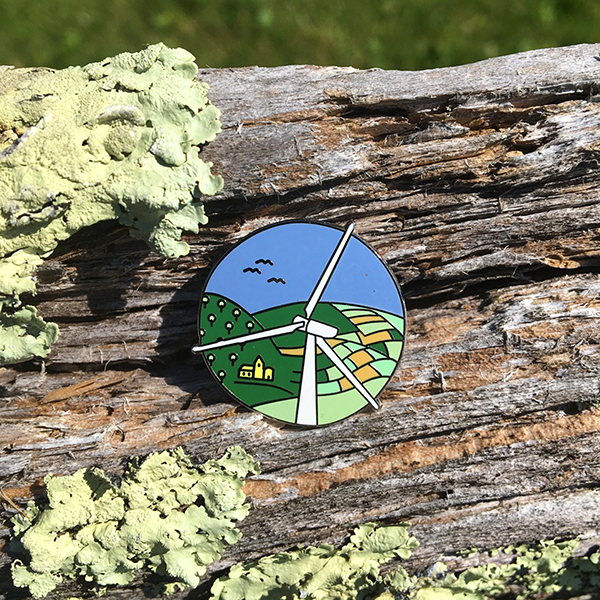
x,y
283,264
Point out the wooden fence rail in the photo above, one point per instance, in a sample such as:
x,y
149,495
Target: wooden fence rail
x,y
479,185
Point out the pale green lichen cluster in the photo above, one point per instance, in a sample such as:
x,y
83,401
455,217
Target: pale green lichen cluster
x,y
168,515
116,139
324,572
174,519
543,570
537,571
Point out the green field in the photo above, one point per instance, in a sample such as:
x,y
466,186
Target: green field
x,y
390,34
369,343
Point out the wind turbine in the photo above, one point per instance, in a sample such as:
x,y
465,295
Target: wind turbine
x,y
316,335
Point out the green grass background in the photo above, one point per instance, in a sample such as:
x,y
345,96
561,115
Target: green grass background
x,y
391,34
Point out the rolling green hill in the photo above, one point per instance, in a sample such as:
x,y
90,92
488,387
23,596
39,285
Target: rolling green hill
x,y
265,374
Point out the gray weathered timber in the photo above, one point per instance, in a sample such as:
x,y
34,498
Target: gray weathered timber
x,y
479,186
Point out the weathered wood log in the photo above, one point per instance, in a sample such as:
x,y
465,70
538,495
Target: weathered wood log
x,y
479,186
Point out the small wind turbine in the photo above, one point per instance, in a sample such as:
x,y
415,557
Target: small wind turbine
x,y
316,335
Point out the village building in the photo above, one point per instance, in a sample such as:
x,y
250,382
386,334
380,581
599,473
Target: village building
x,y
256,371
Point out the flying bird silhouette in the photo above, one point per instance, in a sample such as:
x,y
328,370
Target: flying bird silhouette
x,y
251,270
263,261
276,280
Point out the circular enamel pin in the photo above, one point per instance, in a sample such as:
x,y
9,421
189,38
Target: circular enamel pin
x,y
302,322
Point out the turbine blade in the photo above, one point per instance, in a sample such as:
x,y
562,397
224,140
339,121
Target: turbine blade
x,y
328,272
250,337
337,361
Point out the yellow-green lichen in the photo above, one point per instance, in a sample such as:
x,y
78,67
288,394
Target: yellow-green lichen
x,y
536,571
116,139
175,518
323,572
543,570
168,515
23,334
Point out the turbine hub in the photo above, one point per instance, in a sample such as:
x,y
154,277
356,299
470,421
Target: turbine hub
x,y
316,327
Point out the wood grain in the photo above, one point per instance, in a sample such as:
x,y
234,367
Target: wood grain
x,y
479,186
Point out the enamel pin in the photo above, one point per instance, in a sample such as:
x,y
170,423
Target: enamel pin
x,y
302,322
